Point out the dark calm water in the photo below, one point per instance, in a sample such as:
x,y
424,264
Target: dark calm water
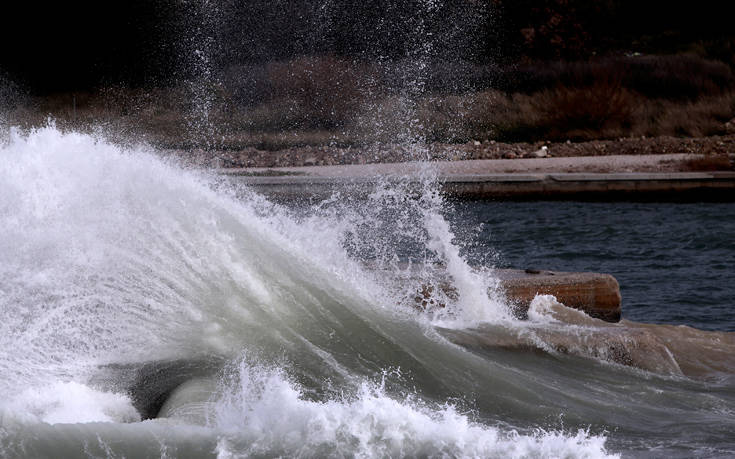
x,y
675,262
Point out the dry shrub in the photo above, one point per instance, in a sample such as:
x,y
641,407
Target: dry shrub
x,y
157,115
673,77
390,119
703,117
679,77
319,92
602,109
497,115
399,119
444,118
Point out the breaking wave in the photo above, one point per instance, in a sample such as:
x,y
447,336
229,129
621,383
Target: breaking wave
x,y
113,258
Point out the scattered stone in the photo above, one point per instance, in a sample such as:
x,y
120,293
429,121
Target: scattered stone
x,y
477,143
730,126
542,152
248,156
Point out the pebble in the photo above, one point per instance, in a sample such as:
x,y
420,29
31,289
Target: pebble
x,y
542,152
730,126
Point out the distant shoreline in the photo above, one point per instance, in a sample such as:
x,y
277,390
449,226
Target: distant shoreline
x,y
713,153
609,178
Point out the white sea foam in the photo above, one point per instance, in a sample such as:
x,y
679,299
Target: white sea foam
x,y
109,254
262,413
68,402
541,309
473,287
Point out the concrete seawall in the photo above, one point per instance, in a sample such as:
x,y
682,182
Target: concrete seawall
x,y
718,186
480,179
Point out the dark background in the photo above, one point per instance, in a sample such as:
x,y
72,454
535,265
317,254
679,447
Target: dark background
x,y
69,46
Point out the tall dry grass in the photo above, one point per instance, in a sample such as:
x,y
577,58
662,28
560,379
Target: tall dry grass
x,y
328,100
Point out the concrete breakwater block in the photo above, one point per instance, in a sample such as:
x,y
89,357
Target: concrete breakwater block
x,y
598,295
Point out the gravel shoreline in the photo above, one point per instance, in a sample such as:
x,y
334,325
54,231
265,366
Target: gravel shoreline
x,y
718,152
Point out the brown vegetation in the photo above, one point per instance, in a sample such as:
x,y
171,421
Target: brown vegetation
x,y
327,101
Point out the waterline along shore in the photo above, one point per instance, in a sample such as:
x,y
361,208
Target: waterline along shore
x,y
577,178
